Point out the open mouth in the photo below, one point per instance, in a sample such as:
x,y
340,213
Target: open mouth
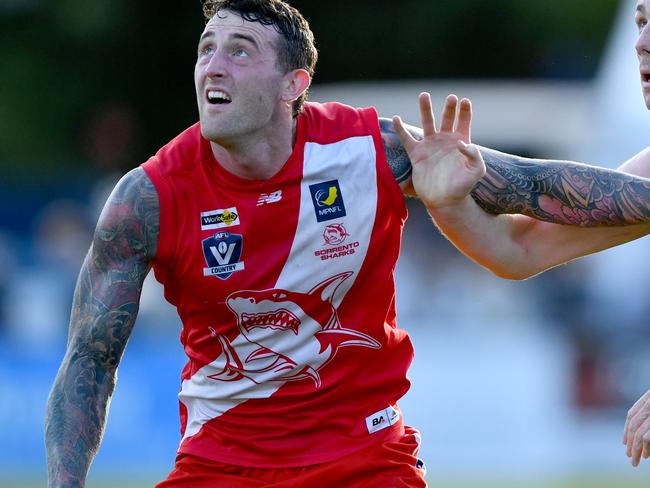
x,y
279,320
217,97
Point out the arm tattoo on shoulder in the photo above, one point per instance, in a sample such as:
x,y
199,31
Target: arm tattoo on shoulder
x,y
398,159
561,192
104,310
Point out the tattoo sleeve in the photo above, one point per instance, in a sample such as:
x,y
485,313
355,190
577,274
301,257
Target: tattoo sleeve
x,y
398,159
561,192
104,310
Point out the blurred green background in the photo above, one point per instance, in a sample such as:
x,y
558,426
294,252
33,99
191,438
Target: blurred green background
x,y
64,63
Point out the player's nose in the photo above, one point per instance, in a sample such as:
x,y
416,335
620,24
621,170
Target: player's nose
x,y
643,42
216,65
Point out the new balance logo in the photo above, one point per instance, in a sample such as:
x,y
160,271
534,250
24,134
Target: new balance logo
x,y
267,198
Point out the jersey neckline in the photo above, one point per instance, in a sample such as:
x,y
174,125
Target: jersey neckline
x,y
289,170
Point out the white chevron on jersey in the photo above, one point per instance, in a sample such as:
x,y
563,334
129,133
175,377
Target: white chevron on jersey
x,y
352,162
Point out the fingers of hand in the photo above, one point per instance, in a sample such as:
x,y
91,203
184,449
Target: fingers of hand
x,y
473,155
638,426
641,443
449,114
426,114
464,126
642,402
407,140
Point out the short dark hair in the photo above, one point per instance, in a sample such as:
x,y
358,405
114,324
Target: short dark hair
x,y
297,50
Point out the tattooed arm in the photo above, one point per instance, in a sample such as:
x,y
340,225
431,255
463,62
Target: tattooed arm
x,y
515,246
561,192
104,310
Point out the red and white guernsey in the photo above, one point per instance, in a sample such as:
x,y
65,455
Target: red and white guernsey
x,y
285,289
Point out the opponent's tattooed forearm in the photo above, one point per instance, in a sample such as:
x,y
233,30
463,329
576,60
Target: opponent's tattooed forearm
x,y
104,310
561,192
398,159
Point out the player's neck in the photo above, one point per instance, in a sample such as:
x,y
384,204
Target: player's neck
x,y
260,156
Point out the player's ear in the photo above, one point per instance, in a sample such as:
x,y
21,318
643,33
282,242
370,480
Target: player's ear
x,y
296,83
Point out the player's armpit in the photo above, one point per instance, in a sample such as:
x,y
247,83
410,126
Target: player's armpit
x,y
104,310
396,154
561,192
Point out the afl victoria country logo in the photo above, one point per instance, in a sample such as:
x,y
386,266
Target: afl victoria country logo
x,y
222,254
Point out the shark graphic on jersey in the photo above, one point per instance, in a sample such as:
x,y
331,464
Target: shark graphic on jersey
x,y
296,334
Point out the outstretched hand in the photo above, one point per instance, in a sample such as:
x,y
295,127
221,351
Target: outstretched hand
x,y
446,167
636,436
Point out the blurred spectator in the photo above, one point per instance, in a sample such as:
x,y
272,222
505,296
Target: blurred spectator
x,y
111,143
38,301
8,266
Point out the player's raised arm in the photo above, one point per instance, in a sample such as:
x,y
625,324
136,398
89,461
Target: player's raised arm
x,y
446,170
104,310
560,192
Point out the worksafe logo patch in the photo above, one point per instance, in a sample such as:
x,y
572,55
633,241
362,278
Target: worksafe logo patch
x,y
327,200
222,254
218,219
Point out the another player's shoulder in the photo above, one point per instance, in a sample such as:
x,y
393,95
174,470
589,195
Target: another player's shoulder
x,y
639,164
396,155
131,216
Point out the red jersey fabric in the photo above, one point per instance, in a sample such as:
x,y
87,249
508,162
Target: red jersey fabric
x,y
285,290
386,465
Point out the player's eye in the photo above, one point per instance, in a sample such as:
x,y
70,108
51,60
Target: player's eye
x,y
641,23
240,53
206,51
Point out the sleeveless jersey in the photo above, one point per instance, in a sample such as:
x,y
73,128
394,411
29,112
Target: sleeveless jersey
x,y
285,290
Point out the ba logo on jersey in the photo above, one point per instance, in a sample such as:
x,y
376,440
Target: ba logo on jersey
x,y
327,200
382,419
222,254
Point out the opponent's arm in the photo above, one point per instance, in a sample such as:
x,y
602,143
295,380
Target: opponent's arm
x,y
104,310
517,246
512,246
561,192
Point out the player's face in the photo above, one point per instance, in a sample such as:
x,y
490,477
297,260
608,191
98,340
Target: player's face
x,y
643,46
237,78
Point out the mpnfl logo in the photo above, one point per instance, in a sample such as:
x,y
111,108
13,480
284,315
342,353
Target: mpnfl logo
x,y
382,419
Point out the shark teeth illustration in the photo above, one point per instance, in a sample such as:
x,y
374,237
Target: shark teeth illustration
x,y
281,319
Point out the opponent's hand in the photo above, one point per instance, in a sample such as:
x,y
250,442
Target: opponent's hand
x,y
446,167
637,430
